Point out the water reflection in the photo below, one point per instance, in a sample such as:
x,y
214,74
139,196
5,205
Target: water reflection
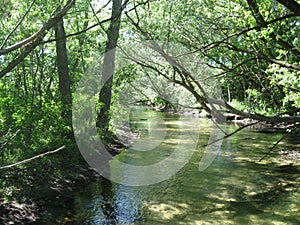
x,y
108,206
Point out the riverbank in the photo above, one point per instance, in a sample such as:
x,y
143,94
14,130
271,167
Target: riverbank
x,y
34,190
44,184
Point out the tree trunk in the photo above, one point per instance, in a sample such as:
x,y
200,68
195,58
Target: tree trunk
x,y
63,72
109,66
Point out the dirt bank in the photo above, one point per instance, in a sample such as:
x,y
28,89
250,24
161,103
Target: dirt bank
x,y
30,191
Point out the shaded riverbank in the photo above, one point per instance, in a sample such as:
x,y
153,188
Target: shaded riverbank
x,y
39,186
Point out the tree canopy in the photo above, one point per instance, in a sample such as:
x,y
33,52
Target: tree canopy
x,y
249,48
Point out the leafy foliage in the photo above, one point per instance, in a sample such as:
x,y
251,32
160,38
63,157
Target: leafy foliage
x,y
250,49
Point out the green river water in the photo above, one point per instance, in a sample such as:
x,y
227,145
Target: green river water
x,y
236,188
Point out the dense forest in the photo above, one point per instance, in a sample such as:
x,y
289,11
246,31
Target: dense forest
x,y
236,57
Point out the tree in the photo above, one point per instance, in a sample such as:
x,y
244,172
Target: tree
x,y
109,66
251,47
63,71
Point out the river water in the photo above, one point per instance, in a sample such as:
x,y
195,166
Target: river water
x,y
236,188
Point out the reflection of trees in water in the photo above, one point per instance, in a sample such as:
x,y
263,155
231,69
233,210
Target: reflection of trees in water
x,y
108,198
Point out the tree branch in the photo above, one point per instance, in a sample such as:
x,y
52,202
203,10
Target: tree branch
x,y
205,100
232,133
22,56
291,5
87,28
261,21
273,147
17,25
215,44
49,24
260,55
9,140
32,158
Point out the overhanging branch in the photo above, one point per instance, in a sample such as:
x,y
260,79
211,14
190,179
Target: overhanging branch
x,y
49,24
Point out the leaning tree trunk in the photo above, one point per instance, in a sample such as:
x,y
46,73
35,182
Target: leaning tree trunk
x,y
109,67
63,72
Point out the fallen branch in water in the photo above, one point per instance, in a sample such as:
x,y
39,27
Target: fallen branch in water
x,y
32,158
232,133
273,147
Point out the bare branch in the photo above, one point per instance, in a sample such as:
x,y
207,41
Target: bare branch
x,y
97,18
32,158
273,147
232,133
79,32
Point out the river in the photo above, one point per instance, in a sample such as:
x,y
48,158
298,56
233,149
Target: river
x,y
236,188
